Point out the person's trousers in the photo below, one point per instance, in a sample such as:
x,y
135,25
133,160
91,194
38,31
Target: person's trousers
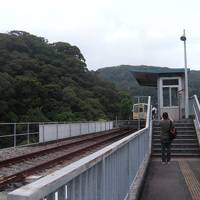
x,y
166,150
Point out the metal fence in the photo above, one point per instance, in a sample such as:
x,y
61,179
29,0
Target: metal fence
x,y
22,134
104,175
18,134
49,132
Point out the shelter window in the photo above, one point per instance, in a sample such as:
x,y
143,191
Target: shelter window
x,y
145,108
166,97
170,82
174,96
136,108
170,96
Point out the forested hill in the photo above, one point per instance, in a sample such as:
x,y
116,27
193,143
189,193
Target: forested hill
x,y
121,76
40,81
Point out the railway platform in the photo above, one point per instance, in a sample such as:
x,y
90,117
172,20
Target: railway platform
x,y
128,168
178,180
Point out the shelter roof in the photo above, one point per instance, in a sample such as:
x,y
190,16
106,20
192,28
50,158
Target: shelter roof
x,y
150,78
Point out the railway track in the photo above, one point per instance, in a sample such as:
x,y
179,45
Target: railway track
x,y
46,149
12,170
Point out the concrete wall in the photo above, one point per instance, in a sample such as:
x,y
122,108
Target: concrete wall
x,y
50,132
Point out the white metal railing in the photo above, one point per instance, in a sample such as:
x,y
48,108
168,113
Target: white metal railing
x,y
22,134
196,112
104,175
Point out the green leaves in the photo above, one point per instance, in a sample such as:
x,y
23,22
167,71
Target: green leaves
x,y
68,50
125,106
40,81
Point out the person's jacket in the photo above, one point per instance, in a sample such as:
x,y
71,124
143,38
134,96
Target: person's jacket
x,y
164,129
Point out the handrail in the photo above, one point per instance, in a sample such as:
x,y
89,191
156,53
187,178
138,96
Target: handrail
x,y
196,110
148,113
72,170
137,151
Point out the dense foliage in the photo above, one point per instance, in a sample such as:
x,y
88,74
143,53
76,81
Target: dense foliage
x,y
40,81
122,77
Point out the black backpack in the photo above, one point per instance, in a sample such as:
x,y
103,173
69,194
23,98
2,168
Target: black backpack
x,y
172,131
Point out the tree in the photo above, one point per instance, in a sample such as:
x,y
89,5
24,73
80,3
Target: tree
x,y
43,81
126,105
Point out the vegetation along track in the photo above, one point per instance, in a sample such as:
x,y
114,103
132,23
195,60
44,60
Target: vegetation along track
x,y
12,170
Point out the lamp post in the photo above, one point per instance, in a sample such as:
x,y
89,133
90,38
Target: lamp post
x,y
183,38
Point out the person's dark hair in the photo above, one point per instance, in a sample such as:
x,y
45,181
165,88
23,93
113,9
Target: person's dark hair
x,y
165,115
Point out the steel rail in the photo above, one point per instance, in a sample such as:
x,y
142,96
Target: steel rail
x,y
68,144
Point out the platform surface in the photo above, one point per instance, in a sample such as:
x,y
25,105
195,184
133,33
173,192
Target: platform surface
x,y
178,180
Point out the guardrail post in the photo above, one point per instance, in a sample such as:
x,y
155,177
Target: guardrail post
x,y
51,196
70,190
61,193
70,130
57,132
104,179
138,152
28,133
15,139
43,132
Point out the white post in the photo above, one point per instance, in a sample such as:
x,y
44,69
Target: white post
x,y
183,38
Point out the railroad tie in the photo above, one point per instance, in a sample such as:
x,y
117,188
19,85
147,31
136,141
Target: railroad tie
x,y
190,179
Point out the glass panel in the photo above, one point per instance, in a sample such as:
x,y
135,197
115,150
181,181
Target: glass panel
x,y
141,109
170,82
174,96
166,97
135,108
145,108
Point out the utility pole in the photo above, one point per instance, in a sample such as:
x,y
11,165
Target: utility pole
x,y
183,38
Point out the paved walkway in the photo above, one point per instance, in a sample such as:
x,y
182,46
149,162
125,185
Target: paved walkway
x,y
179,180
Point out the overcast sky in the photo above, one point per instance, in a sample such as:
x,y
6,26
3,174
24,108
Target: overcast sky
x,y
113,32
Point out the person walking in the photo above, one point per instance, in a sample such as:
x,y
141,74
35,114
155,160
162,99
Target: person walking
x,y
154,112
165,125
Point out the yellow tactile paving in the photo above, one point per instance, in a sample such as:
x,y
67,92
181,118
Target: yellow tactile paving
x,y
190,179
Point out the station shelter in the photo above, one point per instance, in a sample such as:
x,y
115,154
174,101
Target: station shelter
x,y
170,85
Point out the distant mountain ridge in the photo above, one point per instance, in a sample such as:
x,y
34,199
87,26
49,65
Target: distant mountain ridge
x,y
122,77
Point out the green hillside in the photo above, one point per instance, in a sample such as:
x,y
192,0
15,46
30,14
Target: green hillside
x,y
122,77
40,81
